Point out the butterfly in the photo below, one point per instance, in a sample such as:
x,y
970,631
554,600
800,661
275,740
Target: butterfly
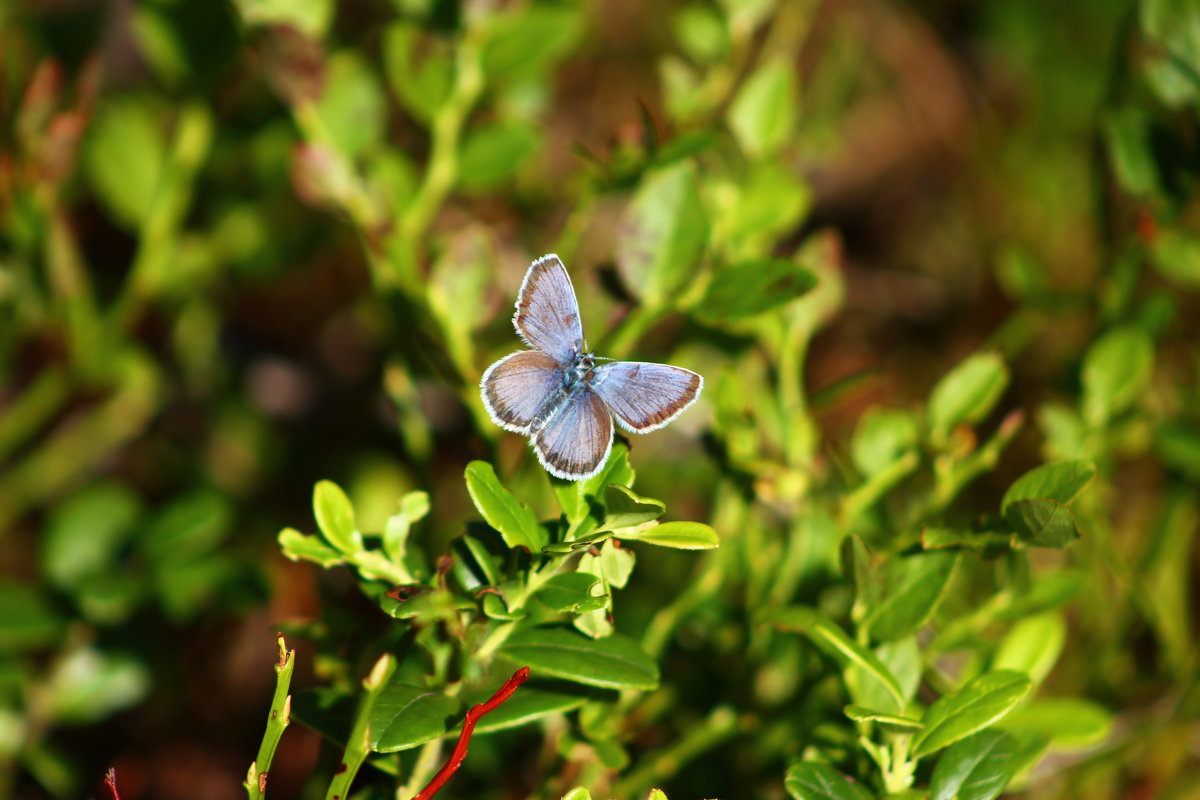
x,y
557,393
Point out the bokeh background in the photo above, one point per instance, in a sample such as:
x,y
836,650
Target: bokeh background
x,y
248,245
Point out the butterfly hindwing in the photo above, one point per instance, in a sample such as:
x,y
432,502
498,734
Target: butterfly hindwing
x,y
547,314
575,441
644,396
517,387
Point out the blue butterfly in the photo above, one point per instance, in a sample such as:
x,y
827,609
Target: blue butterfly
x,y
560,397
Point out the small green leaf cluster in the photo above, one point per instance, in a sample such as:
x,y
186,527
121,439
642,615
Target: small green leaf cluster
x,y
512,591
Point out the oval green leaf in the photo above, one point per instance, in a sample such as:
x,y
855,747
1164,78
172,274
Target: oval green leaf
x,y
1042,522
624,509
571,593
614,662
810,780
1061,481
1033,645
335,517
972,708
1115,371
679,535
750,288
664,234
763,113
516,523
1069,722
967,394
298,546
405,716
913,587
975,768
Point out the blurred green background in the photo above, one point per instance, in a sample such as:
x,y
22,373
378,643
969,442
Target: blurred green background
x,y
248,245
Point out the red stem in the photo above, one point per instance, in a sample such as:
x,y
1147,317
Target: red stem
x,y
464,738
110,783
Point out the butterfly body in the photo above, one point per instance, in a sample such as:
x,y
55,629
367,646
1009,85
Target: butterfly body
x,y
560,397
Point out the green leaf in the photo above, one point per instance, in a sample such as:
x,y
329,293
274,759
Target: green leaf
x,y
419,68
615,662
124,157
578,793
679,535
529,704
1127,134
882,436
521,43
1033,645
810,780
352,105
664,234
1071,723
831,639
967,394
763,113
493,152
86,533
913,587
516,523
1176,254
972,708
890,721
750,288
901,658
572,593
768,203
405,716
413,508
702,33
192,525
614,564
975,768
1116,370
89,684
299,547
624,509
1042,522
1061,481
27,620
335,517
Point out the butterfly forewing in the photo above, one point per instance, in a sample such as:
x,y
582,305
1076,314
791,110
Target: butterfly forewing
x,y
575,441
547,313
645,396
517,387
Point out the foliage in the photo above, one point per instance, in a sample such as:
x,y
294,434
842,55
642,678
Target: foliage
x,y
939,499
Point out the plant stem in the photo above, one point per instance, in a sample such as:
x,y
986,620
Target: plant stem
x,y
277,721
358,744
464,738
442,171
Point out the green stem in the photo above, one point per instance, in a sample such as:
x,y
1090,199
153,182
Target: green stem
x,y
358,744
158,232
442,171
277,722
878,485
